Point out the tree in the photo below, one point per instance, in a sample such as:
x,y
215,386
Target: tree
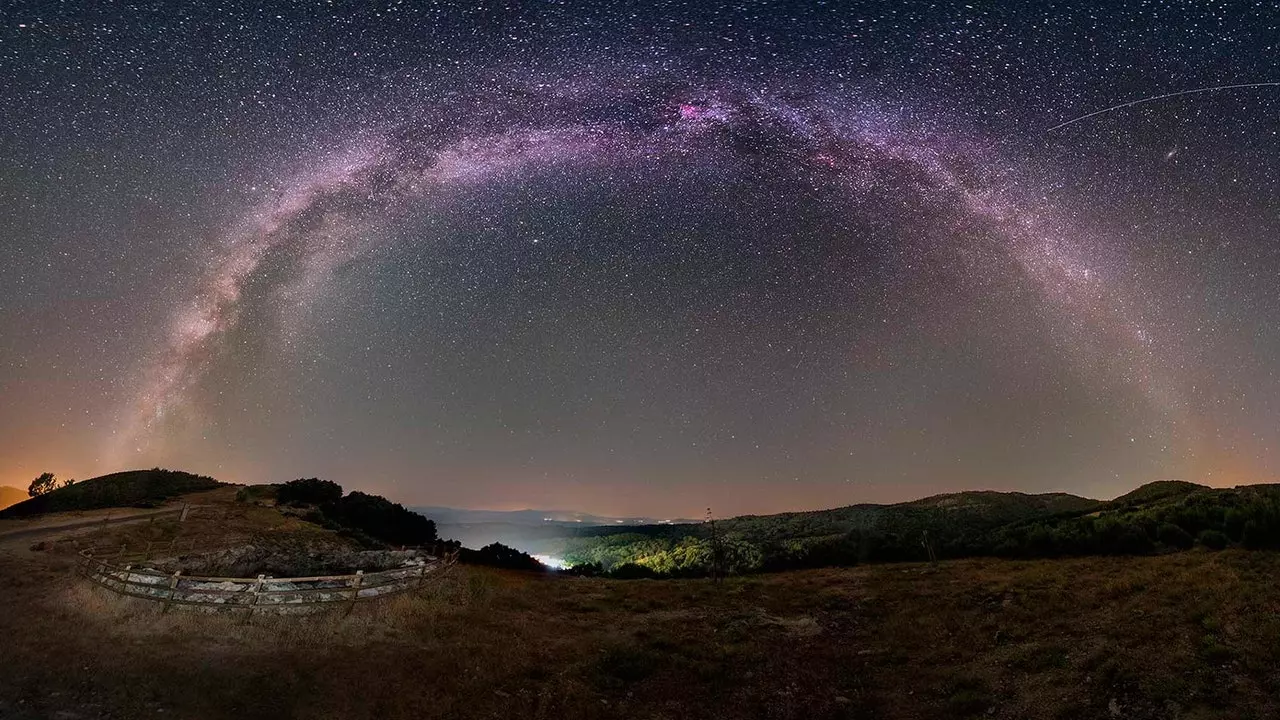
x,y
47,482
381,519
309,491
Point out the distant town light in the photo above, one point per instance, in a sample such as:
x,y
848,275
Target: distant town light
x,y
554,563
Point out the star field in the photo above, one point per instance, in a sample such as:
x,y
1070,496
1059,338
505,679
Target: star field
x,y
643,258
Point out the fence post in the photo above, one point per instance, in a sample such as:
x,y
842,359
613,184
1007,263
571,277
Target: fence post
x,y
253,600
173,588
355,594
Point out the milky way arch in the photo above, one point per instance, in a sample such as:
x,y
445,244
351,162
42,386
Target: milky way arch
x,y
328,215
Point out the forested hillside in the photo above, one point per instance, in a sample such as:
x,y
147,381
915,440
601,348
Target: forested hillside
x,y
1166,516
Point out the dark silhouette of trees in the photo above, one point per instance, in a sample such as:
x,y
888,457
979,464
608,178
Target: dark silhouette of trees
x,y
501,556
309,491
380,519
47,482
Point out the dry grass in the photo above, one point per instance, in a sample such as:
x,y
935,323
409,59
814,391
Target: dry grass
x,y
1193,635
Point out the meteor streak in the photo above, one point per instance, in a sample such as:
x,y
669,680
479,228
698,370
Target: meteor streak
x,y
1166,96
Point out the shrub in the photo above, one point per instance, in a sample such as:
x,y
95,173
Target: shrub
x,y
1174,536
1213,539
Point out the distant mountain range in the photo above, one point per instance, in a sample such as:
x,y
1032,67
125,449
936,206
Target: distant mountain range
x,y
460,516
1163,516
550,533
11,496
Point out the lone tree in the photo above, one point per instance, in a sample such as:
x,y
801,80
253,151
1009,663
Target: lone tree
x,y
47,482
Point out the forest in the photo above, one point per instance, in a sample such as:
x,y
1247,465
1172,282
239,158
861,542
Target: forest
x,y
1161,517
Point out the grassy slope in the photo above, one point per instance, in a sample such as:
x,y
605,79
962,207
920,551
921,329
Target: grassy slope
x,y
1187,635
116,490
11,496
1178,636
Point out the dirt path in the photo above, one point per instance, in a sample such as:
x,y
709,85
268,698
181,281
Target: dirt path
x,y
10,534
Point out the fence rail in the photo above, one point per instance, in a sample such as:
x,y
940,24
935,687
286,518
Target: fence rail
x,y
115,571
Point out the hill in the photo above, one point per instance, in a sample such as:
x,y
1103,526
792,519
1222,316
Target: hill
x,y
11,496
1165,516
1156,491
969,508
839,536
1007,505
122,489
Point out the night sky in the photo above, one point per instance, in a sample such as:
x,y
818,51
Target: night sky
x,y
642,258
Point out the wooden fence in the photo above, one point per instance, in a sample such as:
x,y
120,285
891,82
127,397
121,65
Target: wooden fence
x,y
116,572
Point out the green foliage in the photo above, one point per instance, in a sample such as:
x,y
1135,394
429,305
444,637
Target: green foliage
x,y
309,491
1167,515
632,571
584,570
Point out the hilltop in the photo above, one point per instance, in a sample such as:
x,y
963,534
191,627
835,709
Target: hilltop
x,y
1158,491
139,488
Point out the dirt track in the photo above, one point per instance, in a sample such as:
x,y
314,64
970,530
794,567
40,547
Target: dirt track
x,y
12,531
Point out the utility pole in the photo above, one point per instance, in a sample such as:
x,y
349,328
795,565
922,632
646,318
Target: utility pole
x,y
928,547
